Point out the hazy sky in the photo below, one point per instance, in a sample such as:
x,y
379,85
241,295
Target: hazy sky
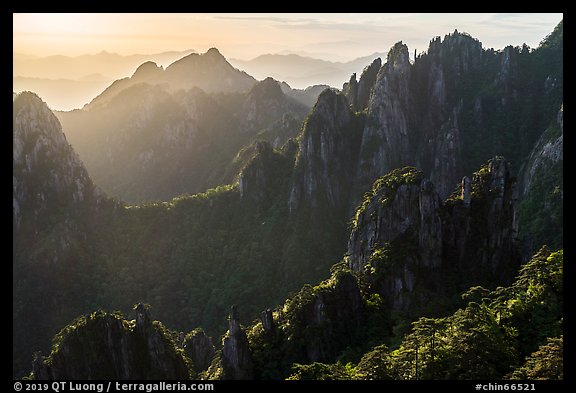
x,y
335,36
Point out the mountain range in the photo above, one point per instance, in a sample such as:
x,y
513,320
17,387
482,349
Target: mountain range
x,y
68,83
302,71
109,65
436,179
202,131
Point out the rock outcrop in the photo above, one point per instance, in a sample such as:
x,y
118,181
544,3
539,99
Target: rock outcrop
x,y
46,172
264,175
48,180
327,152
358,93
447,112
314,325
549,150
147,72
541,189
332,315
266,103
270,113
385,139
405,237
200,349
106,346
236,356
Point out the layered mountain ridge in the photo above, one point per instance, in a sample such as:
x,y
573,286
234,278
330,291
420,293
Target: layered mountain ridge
x,y
174,143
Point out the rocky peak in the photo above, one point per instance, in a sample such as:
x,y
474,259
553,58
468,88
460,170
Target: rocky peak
x,y
398,56
256,178
548,151
147,71
214,54
508,64
327,152
209,71
143,319
267,320
317,323
399,202
403,229
267,89
350,90
236,356
198,346
266,104
358,93
47,173
335,314
366,83
459,52
106,346
541,190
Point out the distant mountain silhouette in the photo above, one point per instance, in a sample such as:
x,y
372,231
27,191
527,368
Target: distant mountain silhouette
x,y
67,83
302,71
111,65
209,71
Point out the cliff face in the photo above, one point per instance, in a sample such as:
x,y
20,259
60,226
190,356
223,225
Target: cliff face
x,y
236,356
265,175
453,107
385,138
199,348
548,151
328,320
358,92
409,241
106,346
541,187
314,325
53,198
46,172
328,148
415,109
267,103
55,209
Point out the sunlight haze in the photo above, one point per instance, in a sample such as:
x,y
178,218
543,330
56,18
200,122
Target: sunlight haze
x,y
336,37
68,59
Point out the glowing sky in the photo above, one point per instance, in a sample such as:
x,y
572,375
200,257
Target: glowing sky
x,y
245,36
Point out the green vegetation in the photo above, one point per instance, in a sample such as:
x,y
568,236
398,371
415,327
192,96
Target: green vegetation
x,y
392,255
486,339
195,255
541,211
387,186
103,345
190,258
